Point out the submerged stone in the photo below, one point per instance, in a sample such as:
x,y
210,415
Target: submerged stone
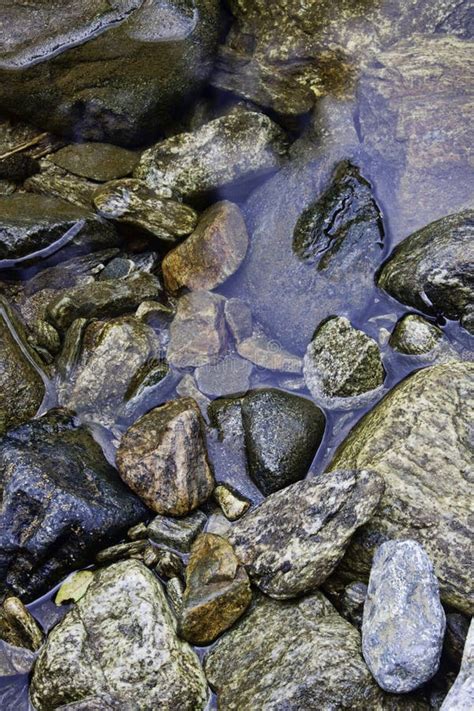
x,y
229,375
96,161
267,353
414,335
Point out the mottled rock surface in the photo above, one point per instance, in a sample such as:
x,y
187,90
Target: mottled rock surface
x,y
61,502
105,71
417,439
414,335
461,694
96,161
55,182
292,655
282,434
292,541
163,458
403,623
213,252
342,365
228,151
432,269
18,626
217,590
233,504
176,533
119,643
229,375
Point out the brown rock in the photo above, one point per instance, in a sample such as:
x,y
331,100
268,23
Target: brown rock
x,y
197,333
163,458
18,626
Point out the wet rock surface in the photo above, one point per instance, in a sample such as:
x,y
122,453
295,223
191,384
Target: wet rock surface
x,y
96,161
414,335
176,533
461,694
293,540
267,353
61,502
404,622
229,375
92,654
418,430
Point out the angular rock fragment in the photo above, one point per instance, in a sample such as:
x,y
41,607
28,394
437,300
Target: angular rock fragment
x,y
418,431
119,642
267,353
131,201
292,541
414,335
176,533
61,502
229,375
96,161
461,694
163,458
342,365
213,252
232,504
228,151
403,623
217,590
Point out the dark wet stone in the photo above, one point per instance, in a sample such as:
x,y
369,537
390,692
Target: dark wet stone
x,y
293,655
119,642
352,604
18,626
163,458
18,167
96,161
282,434
432,269
457,628
229,151
53,181
176,533
62,501
29,223
414,335
292,541
217,590
114,72
461,694
70,272
117,268
403,623
427,480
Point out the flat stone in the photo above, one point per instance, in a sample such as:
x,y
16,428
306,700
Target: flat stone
x,y
119,642
414,335
217,590
230,374
268,353
282,434
233,149
292,541
176,533
461,694
432,269
430,413
163,458
295,655
55,182
197,333
132,202
239,319
62,501
403,623
96,161
342,365
74,271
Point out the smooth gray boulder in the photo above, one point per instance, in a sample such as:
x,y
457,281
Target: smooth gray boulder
x,y
461,694
119,642
403,622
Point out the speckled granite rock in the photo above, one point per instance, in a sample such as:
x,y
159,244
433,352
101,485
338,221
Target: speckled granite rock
x,y
414,335
163,458
342,365
112,71
96,161
292,655
432,269
417,431
461,694
292,541
229,150
403,623
120,642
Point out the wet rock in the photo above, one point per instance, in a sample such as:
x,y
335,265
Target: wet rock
x,y
420,151
45,336
102,299
55,182
114,73
22,386
197,333
117,268
176,533
61,502
163,458
228,151
169,565
74,587
353,603
175,594
429,413
231,502
29,223
122,551
213,252
342,365
125,347
18,627
457,628
151,386
269,660
414,335
432,269
282,434
217,590
187,388
239,319
292,541
13,661
154,314
132,202
403,623
267,353
229,375
119,640
18,167
96,161
461,694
